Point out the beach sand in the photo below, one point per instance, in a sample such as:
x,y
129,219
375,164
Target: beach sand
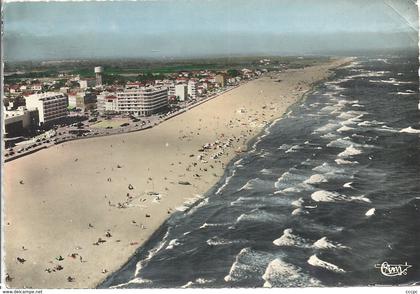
x,y
60,201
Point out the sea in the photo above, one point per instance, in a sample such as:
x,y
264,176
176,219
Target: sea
x,y
327,196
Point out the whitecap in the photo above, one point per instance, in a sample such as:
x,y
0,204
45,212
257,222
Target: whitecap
x,y
210,225
324,243
340,161
370,212
133,281
266,171
316,179
257,184
410,130
315,261
350,151
326,128
281,274
344,129
288,179
172,244
348,185
294,148
198,281
289,239
248,263
325,196
298,203
298,211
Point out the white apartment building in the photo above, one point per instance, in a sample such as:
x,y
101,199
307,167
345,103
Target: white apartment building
x,y
51,106
181,92
107,103
142,101
191,89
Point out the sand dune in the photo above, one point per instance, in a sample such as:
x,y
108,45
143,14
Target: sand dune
x,y
77,192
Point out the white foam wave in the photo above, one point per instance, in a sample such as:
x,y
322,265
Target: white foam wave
x,y
257,184
410,130
294,148
198,281
289,239
315,261
324,243
340,161
344,129
327,128
207,225
247,264
216,241
172,244
348,185
341,143
370,212
281,274
256,216
133,281
350,151
152,252
288,179
266,171
298,203
372,123
325,196
227,180
316,179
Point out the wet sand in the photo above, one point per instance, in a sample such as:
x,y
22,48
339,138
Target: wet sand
x,y
77,211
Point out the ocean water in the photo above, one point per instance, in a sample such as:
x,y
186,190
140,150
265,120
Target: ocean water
x,y
325,194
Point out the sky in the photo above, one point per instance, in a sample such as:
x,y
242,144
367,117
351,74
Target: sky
x,y
37,30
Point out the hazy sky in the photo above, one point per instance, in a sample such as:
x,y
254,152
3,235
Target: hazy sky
x,y
178,28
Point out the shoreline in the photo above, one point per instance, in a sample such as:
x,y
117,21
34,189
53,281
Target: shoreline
x,y
57,279
145,248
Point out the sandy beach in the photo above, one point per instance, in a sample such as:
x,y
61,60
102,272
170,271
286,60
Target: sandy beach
x,y
76,212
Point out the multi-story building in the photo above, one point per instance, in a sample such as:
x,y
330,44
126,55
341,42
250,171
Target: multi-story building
x,y
82,100
192,90
16,122
181,92
142,101
220,79
107,103
51,106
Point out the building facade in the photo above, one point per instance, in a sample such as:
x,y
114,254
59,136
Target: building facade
x,y
142,101
181,92
192,89
51,106
220,79
107,103
17,122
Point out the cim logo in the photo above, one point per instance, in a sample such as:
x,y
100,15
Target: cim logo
x,y
393,270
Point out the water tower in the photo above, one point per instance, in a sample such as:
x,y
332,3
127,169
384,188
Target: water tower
x,y
98,72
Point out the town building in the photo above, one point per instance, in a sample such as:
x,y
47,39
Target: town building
x,y
87,83
142,101
17,122
51,106
220,79
192,89
107,103
181,92
82,100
